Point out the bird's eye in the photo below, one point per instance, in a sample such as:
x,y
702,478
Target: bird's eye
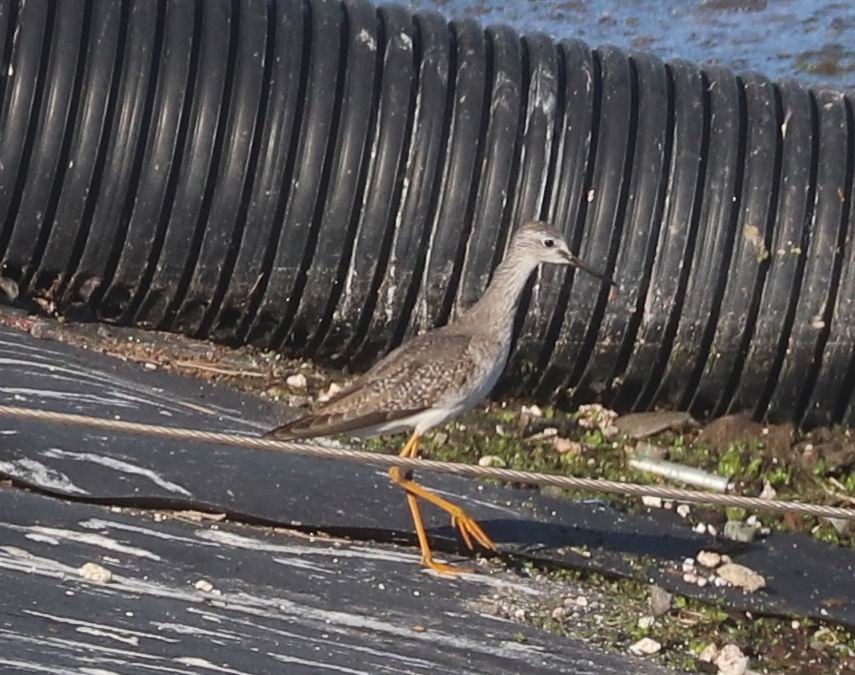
x,y
549,243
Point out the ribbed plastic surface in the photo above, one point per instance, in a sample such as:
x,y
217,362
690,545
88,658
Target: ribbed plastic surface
x,y
328,177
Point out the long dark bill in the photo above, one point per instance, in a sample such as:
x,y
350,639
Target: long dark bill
x,y
573,260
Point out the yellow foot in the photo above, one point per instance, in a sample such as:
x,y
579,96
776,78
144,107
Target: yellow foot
x,y
469,529
447,570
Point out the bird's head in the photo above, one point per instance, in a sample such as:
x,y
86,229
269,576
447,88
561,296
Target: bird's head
x,y
538,242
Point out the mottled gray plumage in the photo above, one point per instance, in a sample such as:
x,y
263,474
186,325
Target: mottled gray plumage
x,y
443,372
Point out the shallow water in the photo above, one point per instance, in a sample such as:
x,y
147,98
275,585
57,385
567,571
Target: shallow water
x,y
812,41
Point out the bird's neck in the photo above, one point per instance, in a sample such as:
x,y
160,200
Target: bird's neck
x,y
497,307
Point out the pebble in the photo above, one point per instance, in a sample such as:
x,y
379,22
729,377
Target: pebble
x,y
204,585
645,647
559,613
660,600
690,578
702,581
581,601
646,622
564,446
683,510
297,381
95,573
652,502
532,410
492,461
741,576
700,528
688,564
731,661
768,492
331,391
709,559
709,653
736,530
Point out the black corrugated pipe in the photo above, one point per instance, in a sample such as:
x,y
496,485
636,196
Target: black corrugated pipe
x,y
328,177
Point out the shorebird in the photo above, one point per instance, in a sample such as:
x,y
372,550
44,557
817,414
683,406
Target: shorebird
x,y
438,375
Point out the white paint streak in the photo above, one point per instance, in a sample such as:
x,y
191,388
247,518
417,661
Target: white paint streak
x,y
50,394
302,564
84,538
117,465
203,663
183,629
30,667
317,664
125,632
31,471
42,538
98,524
132,640
238,541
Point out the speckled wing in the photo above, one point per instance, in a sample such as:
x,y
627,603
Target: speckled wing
x,y
409,380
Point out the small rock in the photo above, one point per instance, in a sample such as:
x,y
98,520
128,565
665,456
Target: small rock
x,y
709,653
204,585
148,365
688,564
642,425
702,581
768,492
564,446
709,559
95,573
700,528
559,613
331,391
652,502
595,416
659,601
440,438
683,510
492,461
645,647
532,410
9,288
741,576
841,526
646,622
736,530
297,381
581,601
731,661
690,578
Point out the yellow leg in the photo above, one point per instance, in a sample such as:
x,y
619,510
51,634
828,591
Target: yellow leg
x,y
467,527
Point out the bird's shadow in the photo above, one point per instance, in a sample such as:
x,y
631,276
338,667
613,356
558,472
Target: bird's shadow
x,y
516,535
